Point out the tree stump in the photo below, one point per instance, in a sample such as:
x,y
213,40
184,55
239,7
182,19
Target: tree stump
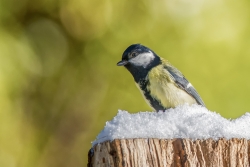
x,y
170,152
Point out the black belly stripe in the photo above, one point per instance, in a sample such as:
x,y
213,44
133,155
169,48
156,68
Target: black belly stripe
x,y
154,103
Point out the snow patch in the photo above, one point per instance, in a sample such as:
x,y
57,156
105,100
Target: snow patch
x,y
193,122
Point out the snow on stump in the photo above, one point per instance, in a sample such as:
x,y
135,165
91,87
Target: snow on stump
x,y
184,136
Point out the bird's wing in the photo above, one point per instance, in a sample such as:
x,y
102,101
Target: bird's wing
x,y
183,83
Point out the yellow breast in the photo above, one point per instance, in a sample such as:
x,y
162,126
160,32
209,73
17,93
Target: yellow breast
x,y
165,90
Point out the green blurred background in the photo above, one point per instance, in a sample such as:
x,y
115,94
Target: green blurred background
x,y
59,82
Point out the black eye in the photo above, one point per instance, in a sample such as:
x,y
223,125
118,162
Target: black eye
x,y
133,54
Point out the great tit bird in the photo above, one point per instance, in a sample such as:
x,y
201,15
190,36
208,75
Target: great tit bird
x,y
162,85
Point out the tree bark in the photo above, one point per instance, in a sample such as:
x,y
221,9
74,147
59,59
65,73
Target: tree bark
x,y
170,152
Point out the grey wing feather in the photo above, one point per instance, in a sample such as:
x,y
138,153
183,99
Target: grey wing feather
x,y
183,83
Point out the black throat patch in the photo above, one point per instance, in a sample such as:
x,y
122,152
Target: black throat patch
x,y
139,72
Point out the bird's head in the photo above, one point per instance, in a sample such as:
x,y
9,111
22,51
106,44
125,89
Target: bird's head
x,y
137,55
139,59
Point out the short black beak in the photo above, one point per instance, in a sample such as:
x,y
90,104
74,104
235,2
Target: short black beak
x,y
122,63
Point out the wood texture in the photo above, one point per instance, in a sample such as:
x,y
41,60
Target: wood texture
x,y
170,153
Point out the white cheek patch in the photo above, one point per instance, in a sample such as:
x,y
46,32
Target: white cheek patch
x,y
143,59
